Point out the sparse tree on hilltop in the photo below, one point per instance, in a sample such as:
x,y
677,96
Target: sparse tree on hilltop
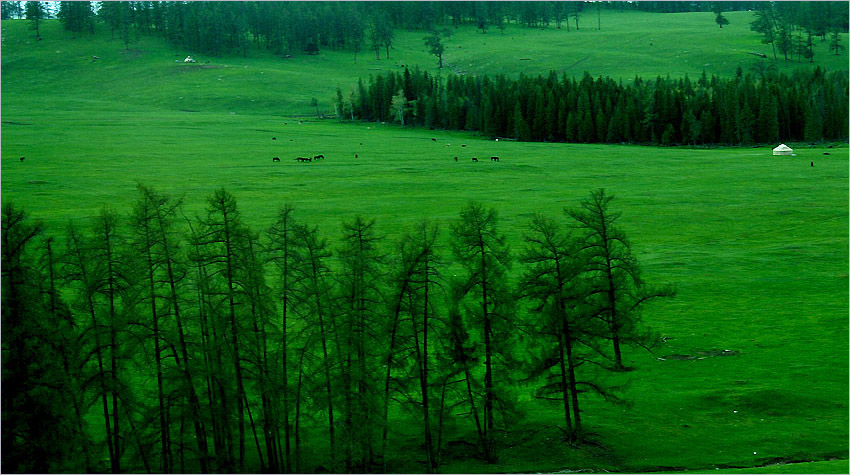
x,y
718,12
835,43
435,46
36,11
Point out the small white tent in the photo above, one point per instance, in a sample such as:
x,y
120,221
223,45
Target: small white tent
x,y
783,149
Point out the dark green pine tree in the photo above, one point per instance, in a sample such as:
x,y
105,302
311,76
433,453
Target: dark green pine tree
x,y
813,128
522,131
586,129
768,120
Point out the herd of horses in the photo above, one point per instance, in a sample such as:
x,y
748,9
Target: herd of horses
x,y
475,159
303,159
322,157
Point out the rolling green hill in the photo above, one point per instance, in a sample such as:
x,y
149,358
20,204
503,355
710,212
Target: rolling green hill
x,y
151,76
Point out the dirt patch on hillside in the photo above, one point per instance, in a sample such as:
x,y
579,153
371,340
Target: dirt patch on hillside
x,y
202,66
700,355
135,52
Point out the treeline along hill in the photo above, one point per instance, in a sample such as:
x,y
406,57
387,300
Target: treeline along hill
x,y
308,27
757,106
809,105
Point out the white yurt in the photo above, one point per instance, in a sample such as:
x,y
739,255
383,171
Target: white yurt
x,y
783,149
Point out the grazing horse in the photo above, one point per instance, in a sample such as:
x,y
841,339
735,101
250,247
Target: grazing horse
x,y
274,138
455,158
813,163
474,159
319,157
433,140
355,156
494,159
826,153
463,145
22,158
304,159
275,159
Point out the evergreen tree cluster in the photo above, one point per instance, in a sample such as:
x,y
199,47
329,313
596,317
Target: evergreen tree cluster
x,y
154,342
746,109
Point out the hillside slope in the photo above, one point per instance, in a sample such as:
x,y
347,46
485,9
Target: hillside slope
x,y
58,72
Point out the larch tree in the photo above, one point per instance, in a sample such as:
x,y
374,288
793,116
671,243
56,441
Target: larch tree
x,y
559,316
37,425
219,238
413,289
280,252
482,251
619,292
107,248
79,272
359,297
435,46
717,9
313,290
155,216
425,275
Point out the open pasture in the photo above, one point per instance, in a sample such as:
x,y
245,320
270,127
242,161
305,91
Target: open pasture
x,y
756,245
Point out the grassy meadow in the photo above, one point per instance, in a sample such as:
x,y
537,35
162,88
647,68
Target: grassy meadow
x,y
756,245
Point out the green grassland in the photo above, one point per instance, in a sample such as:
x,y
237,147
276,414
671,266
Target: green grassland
x,y
756,245
147,77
